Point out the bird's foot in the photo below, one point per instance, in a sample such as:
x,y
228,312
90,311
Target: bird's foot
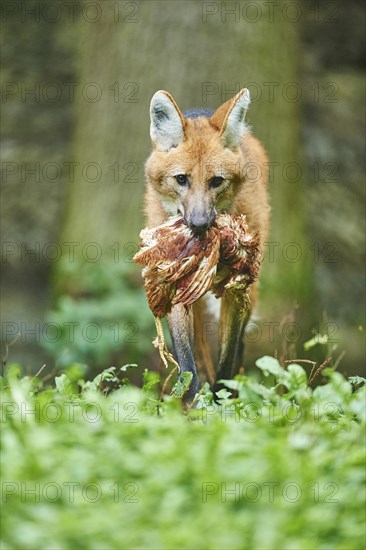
x,y
160,344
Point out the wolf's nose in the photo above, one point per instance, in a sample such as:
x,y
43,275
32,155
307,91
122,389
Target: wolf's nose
x,y
199,228
199,221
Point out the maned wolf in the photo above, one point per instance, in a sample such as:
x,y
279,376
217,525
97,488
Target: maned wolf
x,y
202,163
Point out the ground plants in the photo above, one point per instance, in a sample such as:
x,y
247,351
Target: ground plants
x,y
272,463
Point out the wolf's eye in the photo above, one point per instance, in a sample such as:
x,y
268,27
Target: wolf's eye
x,y
216,181
182,179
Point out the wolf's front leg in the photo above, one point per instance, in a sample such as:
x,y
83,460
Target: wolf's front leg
x,y
180,322
232,325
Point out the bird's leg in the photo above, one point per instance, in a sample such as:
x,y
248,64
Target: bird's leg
x,y
159,343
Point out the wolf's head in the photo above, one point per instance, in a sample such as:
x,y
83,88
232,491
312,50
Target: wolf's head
x,y
196,164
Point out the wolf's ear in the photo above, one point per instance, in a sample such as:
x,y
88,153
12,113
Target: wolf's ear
x,y
229,119
166,122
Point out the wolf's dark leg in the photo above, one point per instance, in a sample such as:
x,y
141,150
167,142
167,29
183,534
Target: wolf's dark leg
x,y
232,326
181,328
202,347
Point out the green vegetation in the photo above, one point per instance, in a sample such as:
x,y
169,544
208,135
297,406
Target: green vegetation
x,y
102,316
276,464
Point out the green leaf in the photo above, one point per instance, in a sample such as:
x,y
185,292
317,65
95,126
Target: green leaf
x,y
298,377
150,379
181,386
75,371
270,365
128,366
317,339
231,384
64,385
223,394
356,380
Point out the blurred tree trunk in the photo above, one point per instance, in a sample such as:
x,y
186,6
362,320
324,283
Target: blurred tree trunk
x,y
202,55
